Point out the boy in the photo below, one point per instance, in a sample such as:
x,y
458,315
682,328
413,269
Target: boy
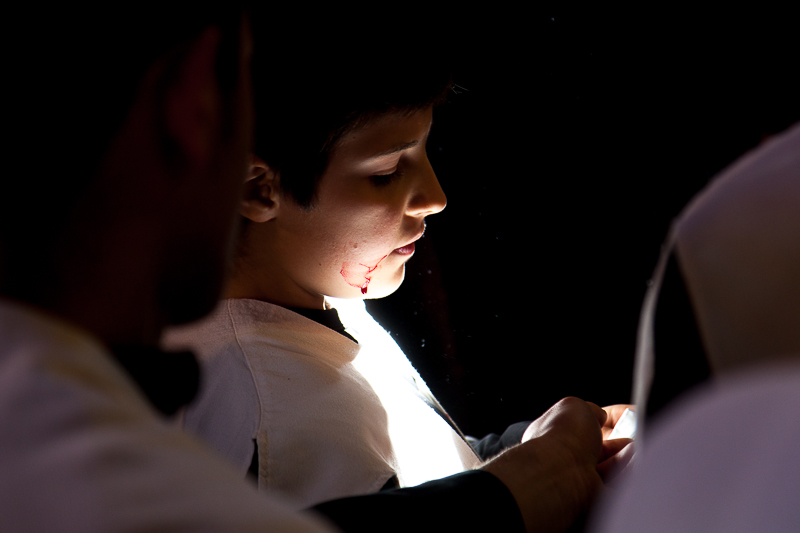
x,y
123,229
303,388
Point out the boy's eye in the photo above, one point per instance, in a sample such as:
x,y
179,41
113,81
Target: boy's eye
x,y
384,179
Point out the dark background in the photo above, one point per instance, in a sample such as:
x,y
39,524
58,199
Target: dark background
x,y
573,140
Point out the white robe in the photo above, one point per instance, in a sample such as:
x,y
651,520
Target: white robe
x,y
723,457
738,247
722,460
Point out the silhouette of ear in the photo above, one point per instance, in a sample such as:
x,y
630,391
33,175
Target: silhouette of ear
x,y
261,197
192,105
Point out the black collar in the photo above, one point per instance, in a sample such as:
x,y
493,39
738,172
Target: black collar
x,y
327,317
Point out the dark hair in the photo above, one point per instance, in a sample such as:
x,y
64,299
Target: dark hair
x,y
313,82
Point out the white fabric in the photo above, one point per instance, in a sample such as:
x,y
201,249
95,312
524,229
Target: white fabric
x,y
332,418
82,450
738,247
425,446
724,459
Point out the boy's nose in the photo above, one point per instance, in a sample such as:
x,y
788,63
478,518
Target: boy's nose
x,y
429,198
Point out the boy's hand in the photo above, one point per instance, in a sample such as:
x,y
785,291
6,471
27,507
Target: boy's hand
x,y
617,453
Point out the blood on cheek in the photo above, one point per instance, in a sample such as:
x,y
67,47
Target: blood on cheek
x,y
358,274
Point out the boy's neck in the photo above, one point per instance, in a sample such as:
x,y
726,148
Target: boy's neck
x,y
242,286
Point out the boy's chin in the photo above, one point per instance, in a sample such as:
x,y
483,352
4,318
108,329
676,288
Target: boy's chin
x,y
379,292
380,288
374,290
377,287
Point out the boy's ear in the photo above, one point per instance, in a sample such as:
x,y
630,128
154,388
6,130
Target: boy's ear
x,y
260,198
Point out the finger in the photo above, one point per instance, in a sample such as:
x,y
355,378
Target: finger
x,y
571,417
608,428
616,464
615,412
599,413
613,447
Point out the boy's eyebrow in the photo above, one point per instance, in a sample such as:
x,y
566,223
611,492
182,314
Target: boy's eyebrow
x,y
397,148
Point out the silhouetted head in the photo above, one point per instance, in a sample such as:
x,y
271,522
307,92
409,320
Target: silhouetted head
x,y
128,130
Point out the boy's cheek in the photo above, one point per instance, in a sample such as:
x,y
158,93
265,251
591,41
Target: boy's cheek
x,y
359,275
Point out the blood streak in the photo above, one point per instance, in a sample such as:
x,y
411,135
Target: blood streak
x,y
358,274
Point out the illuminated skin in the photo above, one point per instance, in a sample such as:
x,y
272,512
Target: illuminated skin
x,y
370,208
354,274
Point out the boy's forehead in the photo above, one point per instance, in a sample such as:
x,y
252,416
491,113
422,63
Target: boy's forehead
x,y
385,135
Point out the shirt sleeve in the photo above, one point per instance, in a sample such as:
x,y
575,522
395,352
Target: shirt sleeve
x,y
470,501
493,444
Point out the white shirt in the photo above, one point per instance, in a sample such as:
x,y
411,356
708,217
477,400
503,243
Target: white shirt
x,y
82,450
332,418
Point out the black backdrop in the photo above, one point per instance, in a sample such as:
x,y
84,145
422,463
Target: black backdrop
x,y
575,137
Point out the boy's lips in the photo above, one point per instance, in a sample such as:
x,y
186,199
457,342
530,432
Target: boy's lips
x,y
408,249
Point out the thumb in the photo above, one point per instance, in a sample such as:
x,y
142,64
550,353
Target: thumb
x,y
598,412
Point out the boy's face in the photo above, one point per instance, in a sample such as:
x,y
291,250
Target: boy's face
x,y
371,205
